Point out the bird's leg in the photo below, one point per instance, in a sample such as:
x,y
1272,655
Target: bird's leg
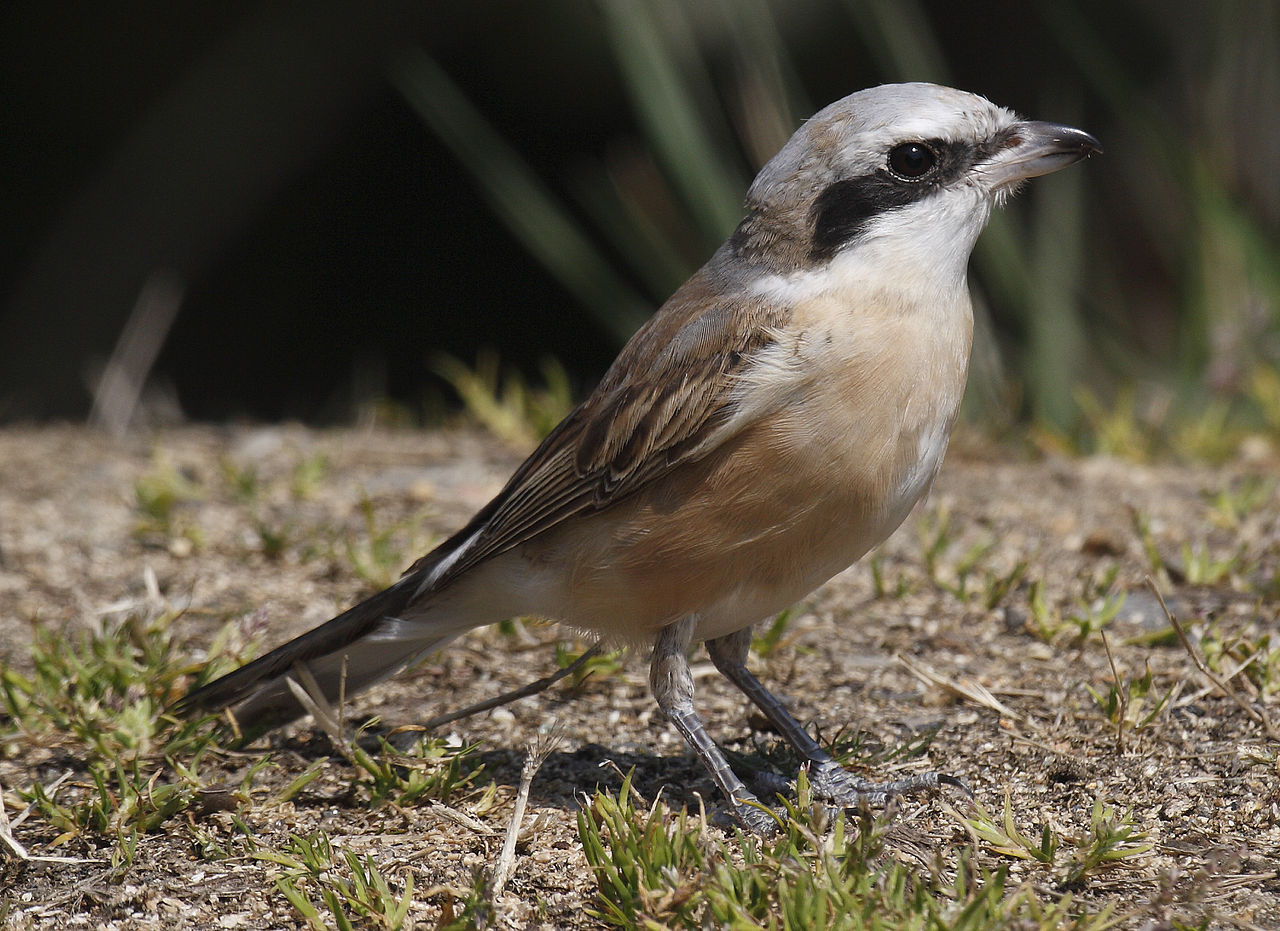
x,y
672,686
829,779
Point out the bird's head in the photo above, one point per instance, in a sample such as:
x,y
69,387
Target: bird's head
x,y
910,171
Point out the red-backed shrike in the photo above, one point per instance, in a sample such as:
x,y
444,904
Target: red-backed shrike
x,y
779,416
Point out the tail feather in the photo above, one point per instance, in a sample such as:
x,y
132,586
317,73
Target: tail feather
x,y
260,694
349,670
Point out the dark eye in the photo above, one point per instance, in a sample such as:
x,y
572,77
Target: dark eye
x,y
911,161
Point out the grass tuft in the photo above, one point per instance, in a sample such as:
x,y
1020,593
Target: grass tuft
x,y
316,878
655,868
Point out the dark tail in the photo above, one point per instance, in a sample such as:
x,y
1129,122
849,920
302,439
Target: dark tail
x,y
370,639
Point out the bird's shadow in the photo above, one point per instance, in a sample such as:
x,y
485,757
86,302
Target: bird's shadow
x,y
567,777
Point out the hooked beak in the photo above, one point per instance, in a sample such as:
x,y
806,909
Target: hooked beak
x,y
1032,148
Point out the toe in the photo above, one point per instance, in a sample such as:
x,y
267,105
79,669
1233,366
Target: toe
x,y
756,819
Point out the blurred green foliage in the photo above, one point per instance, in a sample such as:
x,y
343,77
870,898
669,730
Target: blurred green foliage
x,y
313,178
1137,298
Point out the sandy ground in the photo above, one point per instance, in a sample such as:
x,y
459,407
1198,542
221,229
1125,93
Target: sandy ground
x,y
1201,780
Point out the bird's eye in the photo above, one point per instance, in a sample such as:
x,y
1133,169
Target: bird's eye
x,y
912,161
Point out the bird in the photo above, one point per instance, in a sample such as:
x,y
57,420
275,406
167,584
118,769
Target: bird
x,y
779,416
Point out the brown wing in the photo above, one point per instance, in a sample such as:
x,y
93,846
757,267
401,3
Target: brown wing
x,y
663,402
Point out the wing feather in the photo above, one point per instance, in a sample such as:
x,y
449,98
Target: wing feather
x,y
666,400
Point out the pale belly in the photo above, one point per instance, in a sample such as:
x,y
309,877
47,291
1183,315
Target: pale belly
x,y
793,498
737,539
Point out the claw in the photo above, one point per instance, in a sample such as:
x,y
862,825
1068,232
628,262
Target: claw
x,y
945,780
832,783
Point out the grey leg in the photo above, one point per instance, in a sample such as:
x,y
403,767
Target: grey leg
x,y
828,778
672,686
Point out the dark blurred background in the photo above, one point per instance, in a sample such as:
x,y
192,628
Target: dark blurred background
x,y
272,210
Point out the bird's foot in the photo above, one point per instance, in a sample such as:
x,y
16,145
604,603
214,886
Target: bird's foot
x,y
755,818
751,815
831,782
